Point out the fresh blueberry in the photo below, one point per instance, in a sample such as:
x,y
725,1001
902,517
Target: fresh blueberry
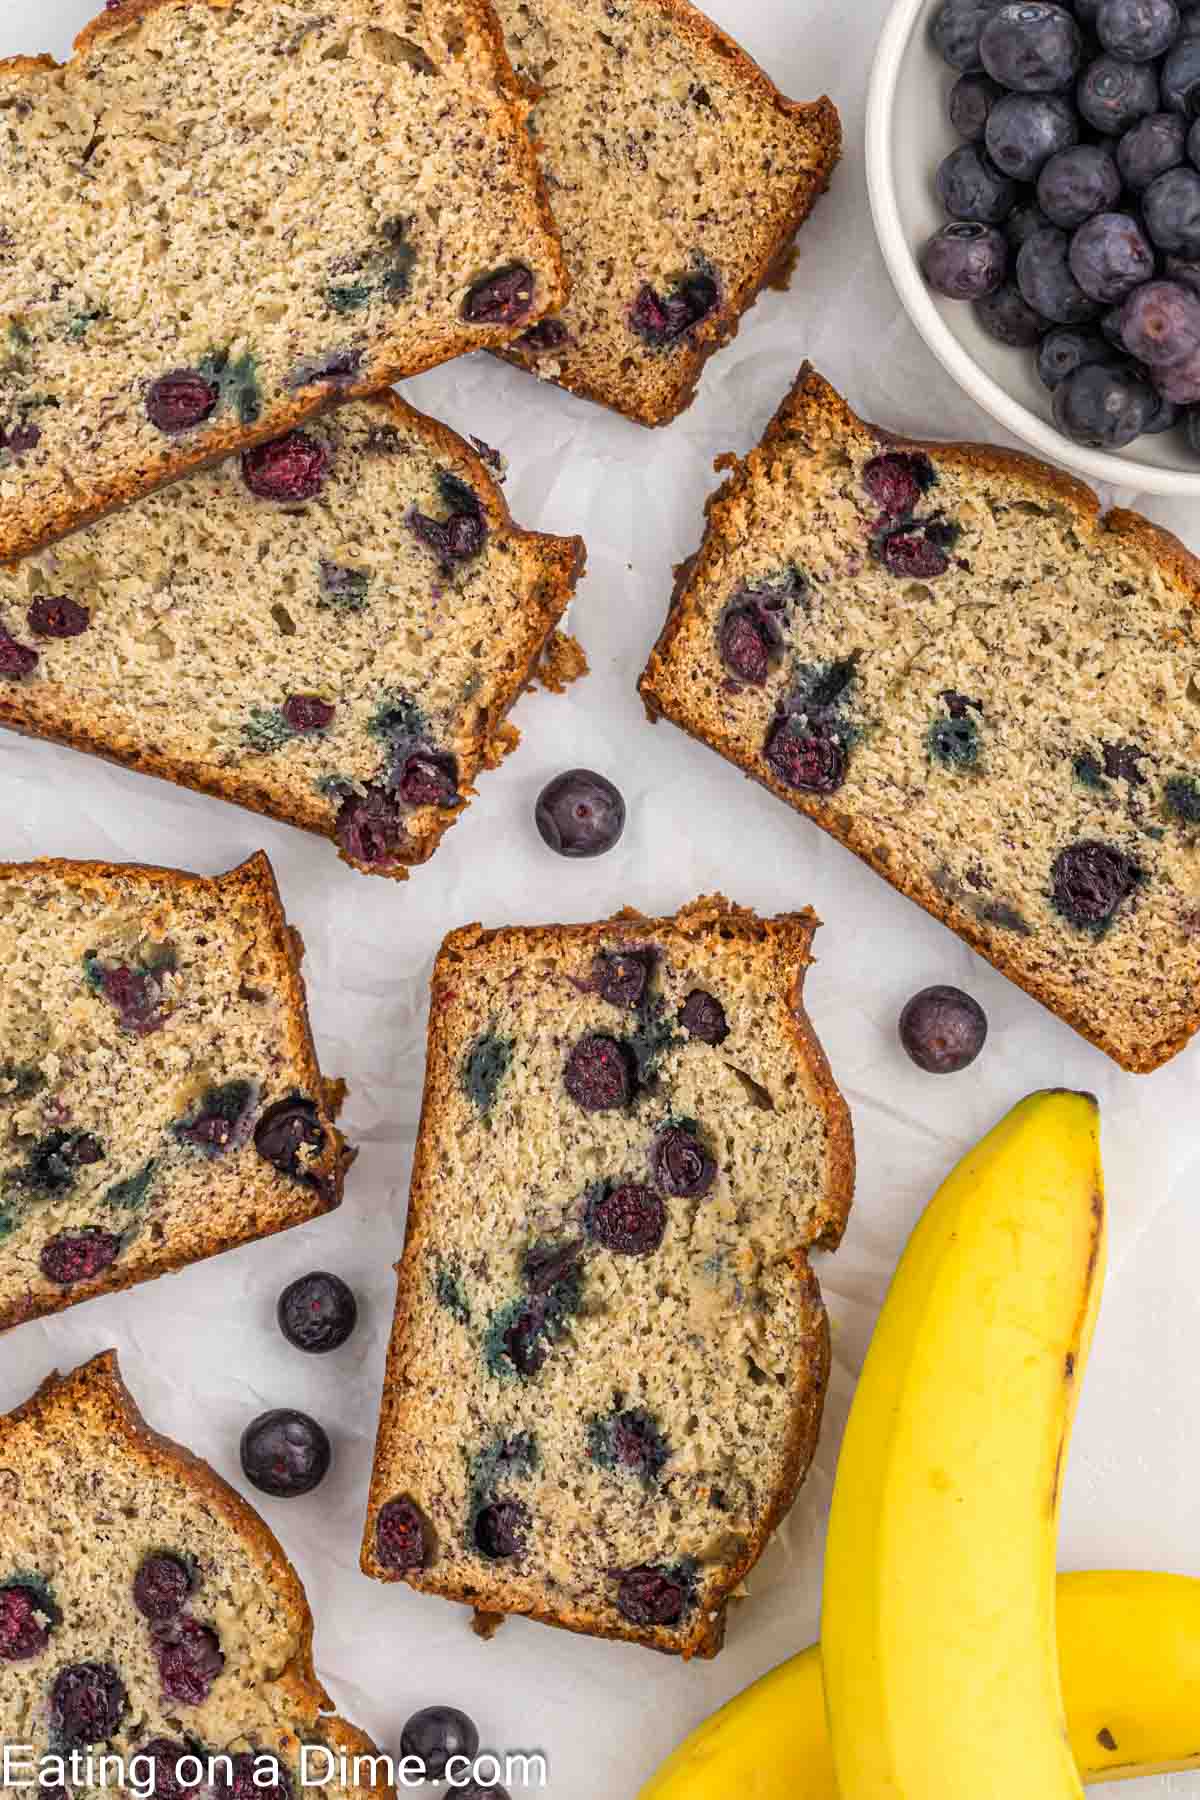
x,y
964,261
1181,78
1179,382
1023,221
1191,426
580,814
1110,328
956,30
285,1453
1025,130
1077,183
317,1312
161,1586
1138,30
971,100
1046,282
435,1735
1007,317
1102,407
401,1535
1192,141
1165,417
87,1704
1113,95
1171,207
1031,49
1160,323
1151,147
1184,269
1089,882
1064,350
970,186
943,1030
1110,255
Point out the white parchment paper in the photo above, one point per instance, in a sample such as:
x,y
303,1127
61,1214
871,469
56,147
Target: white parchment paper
x,y
201,1350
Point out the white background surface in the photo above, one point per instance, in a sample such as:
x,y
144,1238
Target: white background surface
x,y
201,1351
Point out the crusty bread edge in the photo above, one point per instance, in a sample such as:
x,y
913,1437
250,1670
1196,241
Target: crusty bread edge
x,y
97,1391
257,879
562,560
820,118
813,403
786,941
176,460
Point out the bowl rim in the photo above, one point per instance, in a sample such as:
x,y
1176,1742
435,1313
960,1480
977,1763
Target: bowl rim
x,y
901,260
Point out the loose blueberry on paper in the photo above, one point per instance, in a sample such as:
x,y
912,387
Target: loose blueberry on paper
x,y
1074,203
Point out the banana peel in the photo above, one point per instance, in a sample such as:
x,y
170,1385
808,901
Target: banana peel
x,y
1129,1654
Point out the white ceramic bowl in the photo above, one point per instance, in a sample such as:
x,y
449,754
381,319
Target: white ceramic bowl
x,y
908,134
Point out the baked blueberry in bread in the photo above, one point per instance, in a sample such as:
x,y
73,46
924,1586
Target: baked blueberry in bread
x,y
220,216
147,1614
330,629
160,1098
944,655
609,1355
678,175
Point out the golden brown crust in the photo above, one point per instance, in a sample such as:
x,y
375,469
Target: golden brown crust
x,y
562,562
176,460
785,942
819,118
813,412
254,878
95,1396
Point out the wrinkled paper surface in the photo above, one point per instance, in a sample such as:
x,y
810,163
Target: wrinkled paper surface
x,y
201,1351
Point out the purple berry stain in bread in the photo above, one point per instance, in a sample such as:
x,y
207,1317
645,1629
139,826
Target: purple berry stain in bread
x,y
288,469
27,1617
629,1441
461,536
488,1062
547,334
136,993
333,368
503,298
78,1256
402,1536
55,616
87,1704
501,1529
680,1163
181,400
598,1076
703,1017
222,1119
626,1217
1089,881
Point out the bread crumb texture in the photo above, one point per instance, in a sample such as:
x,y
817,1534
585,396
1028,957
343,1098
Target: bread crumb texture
x,y
329,629
160,1099
678,176
946,657
94,1502
609,1357
220,217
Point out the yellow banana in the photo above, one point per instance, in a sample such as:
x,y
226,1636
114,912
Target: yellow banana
x,y
938,1632
1129,1651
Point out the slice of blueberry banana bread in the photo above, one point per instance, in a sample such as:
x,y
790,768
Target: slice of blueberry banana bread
x,y
329,629
678,175
222,215
609,1356
160,1098
947,658
148,1615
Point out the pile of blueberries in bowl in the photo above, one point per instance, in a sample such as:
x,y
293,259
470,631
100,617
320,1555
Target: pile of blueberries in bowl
x,y
1074,202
